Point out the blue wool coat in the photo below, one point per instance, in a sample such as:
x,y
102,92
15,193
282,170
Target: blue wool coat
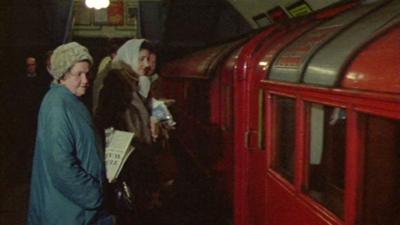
x,y
68,169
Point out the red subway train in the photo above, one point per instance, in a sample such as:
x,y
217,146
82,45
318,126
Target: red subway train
x,y
300,122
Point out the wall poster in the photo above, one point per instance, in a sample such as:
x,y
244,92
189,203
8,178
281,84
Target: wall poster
x,y
277,14
116,13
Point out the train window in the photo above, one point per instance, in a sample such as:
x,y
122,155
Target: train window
x,y
284,136
326,160
199,107
229,109
381,189
261,120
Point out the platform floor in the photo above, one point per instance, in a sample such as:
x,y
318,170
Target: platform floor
x,y
194,202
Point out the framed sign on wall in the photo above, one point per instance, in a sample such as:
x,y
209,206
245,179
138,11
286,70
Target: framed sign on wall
x,y
100,17
131,15
82,14
299,8
262,20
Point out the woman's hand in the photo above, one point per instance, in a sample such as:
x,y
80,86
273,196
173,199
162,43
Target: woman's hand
x,y
154,128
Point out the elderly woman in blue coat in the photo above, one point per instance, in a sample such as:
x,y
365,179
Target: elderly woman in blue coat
x,y
68,167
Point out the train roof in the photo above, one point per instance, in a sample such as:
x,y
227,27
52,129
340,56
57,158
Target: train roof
x,y
354,49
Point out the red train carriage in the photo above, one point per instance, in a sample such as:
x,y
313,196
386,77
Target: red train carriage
x,y
304,115
204,113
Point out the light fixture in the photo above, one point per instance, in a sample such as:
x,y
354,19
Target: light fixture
x,y
97,4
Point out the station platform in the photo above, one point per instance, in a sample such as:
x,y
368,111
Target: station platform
x,y
193,202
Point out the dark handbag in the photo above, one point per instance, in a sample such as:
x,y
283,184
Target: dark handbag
x,y
120,197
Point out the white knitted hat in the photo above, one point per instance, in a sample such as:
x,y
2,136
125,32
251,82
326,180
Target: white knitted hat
x,y
65,56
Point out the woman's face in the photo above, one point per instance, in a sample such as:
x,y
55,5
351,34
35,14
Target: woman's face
x,y
76,80
153,64
144,62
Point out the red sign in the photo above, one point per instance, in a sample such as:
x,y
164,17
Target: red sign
x,y
116,13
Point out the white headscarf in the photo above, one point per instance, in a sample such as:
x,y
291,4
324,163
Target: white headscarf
x,y
128,53
144,86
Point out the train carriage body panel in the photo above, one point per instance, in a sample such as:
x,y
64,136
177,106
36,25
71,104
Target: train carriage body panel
x,y
306,114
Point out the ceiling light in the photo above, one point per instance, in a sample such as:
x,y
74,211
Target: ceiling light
x,y
97,4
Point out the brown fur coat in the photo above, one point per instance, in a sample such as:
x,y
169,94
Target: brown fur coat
x,y
122,107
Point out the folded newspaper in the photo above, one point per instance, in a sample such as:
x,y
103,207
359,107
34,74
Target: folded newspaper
x,y
118,149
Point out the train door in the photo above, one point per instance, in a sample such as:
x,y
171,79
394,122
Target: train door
x,y
227,106
256,154
222,105
255,134
256,143
249,164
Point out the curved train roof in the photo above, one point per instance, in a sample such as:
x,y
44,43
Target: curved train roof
x,y
355,49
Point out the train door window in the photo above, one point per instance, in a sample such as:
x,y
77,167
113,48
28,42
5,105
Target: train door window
x,y
261,120
200,106
228,111
381,182
326,159
283,134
